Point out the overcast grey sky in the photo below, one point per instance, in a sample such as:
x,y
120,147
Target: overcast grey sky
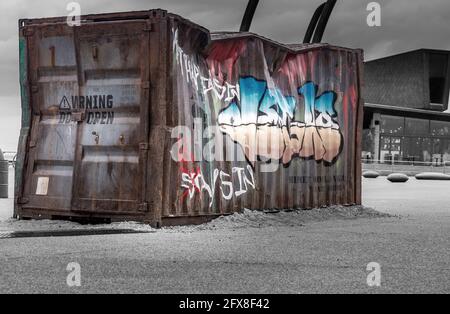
x,y
406,25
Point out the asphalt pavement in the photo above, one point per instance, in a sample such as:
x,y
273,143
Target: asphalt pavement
x,y
331,256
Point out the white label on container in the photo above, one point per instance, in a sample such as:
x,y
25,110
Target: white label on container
x,y
42,186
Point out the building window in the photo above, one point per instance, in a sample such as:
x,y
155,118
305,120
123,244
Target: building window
x,y
439,128
417,126
409,140
437,87
391,148
438,72
392,125
417,149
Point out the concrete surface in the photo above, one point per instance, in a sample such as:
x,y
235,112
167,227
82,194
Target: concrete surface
x,y
318,257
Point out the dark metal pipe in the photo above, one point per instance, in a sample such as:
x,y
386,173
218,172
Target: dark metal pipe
x,y
313,23
323,21
248,15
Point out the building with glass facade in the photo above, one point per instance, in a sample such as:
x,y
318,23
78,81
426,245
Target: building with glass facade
x,y
405,118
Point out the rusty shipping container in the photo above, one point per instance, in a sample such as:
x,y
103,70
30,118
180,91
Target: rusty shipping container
x,y
147,116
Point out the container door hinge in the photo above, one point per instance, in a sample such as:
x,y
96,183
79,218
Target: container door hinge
x,y
146,85
32,144
143,146
22,200
143,207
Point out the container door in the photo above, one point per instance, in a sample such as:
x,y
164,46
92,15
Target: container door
x,y
112,135
52,75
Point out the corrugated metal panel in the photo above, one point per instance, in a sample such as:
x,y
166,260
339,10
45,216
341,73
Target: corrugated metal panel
x,y
205,85
108,96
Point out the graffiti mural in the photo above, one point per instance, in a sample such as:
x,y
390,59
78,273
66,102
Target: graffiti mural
x,y
195,181
274,107
190,70
263,123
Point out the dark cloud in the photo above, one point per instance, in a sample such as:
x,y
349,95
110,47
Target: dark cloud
x,y
406,25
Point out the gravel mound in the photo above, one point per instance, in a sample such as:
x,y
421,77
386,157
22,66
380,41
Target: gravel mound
x,y
245,219
284,218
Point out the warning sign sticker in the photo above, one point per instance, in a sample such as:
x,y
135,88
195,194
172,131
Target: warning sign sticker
x,y
64,104
100,108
